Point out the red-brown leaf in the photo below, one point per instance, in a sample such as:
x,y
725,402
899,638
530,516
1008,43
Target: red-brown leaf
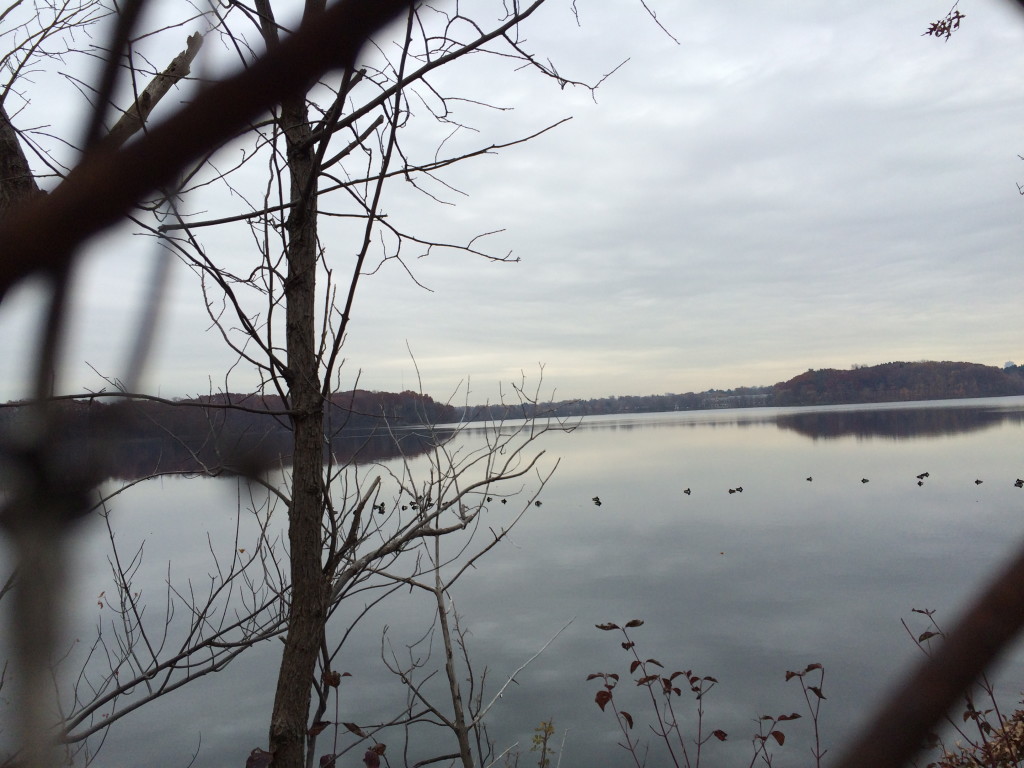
x,y
783,718
813,666
816,691
356,730
719,734
647,680
628,718
634,623
633,665
606,627
779,737
603,697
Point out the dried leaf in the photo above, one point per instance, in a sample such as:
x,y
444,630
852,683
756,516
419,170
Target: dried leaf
x,y
779,737
595,675
720,734
791,675
633,665
328,761
925,635
813,666
332,678
258,758
656,663
606,627
603,697
784,718
816,691
356,730
710,679
628,645
627,717
647,680
634,623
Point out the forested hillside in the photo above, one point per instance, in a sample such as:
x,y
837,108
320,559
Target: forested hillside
x,y
896,382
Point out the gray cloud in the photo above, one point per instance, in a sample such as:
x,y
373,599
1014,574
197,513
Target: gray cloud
x,y
793,186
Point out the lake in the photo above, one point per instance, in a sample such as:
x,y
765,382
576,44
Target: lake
x,y
740,585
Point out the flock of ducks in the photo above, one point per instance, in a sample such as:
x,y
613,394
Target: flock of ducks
x,y
427,503
1018,483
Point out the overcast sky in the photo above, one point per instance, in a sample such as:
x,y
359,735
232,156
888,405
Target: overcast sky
x,y
795,185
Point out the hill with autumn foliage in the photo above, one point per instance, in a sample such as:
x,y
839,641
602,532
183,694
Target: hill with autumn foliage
x,y
898,382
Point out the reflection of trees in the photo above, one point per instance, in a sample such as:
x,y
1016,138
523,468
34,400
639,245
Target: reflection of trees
x,y
895,424
702,419
221,434
133,459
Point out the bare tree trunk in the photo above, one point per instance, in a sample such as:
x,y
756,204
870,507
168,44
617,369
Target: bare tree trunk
x,y
459,718
17,183
308,607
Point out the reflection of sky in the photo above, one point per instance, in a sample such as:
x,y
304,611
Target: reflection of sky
x,y
740,586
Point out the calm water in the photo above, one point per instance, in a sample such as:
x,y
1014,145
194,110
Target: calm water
x,y
742,586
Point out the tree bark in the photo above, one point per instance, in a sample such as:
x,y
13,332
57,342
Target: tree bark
x,y
17,183
308,608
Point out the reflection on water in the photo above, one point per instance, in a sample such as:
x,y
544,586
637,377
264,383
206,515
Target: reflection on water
x,y
246,453
896,423
896,420
742,586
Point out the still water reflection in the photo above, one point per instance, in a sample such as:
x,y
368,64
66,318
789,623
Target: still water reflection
x,y
808,563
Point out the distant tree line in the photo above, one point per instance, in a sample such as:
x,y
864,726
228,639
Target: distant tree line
x,y
250,431
741,397
888,382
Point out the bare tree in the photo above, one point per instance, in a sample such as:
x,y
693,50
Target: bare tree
x,y
285,313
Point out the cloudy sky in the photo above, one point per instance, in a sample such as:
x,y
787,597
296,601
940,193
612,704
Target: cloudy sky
x,y
794,185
